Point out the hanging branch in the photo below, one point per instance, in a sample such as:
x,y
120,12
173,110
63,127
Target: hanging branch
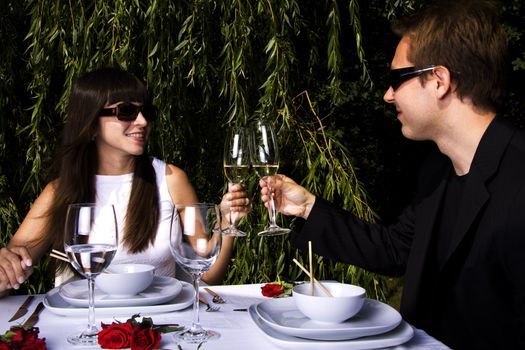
x,y
280,56
330,169
236,30
334,60
353,8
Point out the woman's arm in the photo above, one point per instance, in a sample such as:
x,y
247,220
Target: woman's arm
x,y
182,192
28,244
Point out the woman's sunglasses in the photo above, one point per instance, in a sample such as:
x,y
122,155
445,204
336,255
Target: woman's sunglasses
x,y
399,76
128,112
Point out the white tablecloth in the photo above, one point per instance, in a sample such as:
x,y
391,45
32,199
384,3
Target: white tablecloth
x,y
237,329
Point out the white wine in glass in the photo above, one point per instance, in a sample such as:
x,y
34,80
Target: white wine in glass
x,y
266,170
236,174
236,169
265,161
90,242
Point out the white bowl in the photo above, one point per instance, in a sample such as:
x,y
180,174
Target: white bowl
x,y
346,301
124,280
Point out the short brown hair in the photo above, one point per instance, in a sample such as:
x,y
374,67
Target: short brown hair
x,y
465,36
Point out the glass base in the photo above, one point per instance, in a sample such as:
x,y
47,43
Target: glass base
x,y
274,231
234,232
83,339
196,337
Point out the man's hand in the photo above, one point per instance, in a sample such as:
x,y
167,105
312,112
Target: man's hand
x,y
289,197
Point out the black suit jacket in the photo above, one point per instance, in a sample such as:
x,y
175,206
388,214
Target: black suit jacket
x,y
476,299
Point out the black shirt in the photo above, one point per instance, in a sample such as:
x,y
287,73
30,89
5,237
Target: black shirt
x,y
449,212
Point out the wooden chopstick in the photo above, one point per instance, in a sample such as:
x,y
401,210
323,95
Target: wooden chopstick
x,y
58,252
63,256
323,288
58,256
311,267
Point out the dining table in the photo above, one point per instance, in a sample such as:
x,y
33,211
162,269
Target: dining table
x,y
233,321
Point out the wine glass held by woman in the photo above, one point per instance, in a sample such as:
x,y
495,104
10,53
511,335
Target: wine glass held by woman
x,y
236,163
103,159
234,206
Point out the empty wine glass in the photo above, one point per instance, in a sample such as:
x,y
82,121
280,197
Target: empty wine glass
x,y
195,242
90,242
236,169
265,161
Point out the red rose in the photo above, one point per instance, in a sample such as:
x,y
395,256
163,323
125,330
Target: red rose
x,y
115,336
18,338
272,290
145,338
34,344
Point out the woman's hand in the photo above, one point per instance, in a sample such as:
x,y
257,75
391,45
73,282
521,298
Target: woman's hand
x,y
15,267
236,203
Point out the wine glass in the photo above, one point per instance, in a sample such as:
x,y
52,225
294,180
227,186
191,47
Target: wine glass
x,y
236,169
195,242
265,161
90,242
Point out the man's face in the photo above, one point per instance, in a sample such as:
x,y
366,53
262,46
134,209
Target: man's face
x,y
414,101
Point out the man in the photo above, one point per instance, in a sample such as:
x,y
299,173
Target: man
x,y
461,243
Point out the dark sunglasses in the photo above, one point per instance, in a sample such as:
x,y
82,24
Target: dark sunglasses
x,y
399,76
128,112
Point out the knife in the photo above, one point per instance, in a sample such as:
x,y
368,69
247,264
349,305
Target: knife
x,y
22,310
33,319
216,297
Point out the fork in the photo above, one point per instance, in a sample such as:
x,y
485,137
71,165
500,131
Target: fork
x,y
209,308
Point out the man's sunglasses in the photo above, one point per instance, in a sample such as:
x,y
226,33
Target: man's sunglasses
x,y
128,112
399,76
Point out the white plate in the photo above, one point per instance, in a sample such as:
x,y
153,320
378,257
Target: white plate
x,y
283,316
399,335
54,302
161,290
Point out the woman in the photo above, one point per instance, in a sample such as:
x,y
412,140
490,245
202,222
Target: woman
x,y
103,160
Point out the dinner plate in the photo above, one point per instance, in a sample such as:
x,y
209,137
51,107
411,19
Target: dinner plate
x,y
283,316
399,335
54,302
162,289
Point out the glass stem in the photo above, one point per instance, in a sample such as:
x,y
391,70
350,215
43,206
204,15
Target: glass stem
x,y
231,224
230,221
196,326
91,328
271,208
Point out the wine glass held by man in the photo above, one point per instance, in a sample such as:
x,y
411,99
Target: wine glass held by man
x,y
264,150
102,159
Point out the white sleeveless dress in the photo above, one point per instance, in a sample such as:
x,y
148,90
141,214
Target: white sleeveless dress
x,y
116,190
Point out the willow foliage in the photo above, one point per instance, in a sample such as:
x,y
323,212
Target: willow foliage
x,y
208,65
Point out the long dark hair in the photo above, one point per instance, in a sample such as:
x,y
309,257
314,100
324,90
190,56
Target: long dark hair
x,y
77,161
